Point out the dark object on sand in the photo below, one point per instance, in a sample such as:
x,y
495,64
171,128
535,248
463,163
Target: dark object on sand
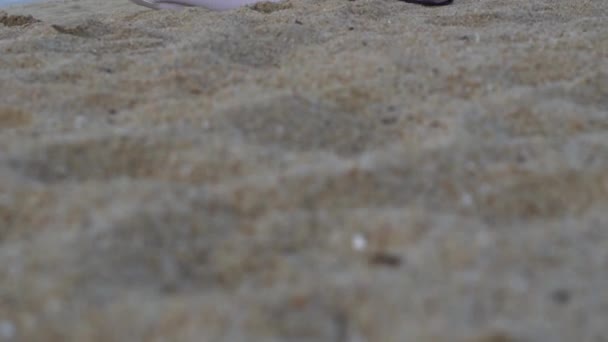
x,y
385,259
429,2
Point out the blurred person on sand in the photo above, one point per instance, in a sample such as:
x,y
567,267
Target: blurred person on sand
x,y
220,5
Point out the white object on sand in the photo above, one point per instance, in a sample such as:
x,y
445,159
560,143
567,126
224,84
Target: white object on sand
x,y
216,5
359,242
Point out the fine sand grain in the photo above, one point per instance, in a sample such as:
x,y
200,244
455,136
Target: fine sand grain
x,y
317,170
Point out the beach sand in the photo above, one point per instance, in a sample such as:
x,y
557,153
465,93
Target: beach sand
x,y
318,170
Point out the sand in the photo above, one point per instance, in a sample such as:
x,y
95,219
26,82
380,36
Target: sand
x,y
320,170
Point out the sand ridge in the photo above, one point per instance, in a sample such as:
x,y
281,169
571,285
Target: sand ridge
x,y
201,176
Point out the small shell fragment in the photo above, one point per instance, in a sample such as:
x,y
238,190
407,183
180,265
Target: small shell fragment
x,y
359,242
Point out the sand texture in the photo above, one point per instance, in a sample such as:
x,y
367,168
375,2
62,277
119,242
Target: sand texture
x,y
318,170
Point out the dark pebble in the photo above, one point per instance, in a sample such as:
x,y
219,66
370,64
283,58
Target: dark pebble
x,y
385,259
561,296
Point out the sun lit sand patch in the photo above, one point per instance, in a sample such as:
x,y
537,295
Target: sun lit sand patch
x,y
269,7
21,214
13,118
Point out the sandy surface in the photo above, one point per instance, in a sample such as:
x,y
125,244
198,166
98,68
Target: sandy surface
x,y
322,170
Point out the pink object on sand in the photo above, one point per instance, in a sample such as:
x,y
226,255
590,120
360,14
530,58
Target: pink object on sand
x,y
216,5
